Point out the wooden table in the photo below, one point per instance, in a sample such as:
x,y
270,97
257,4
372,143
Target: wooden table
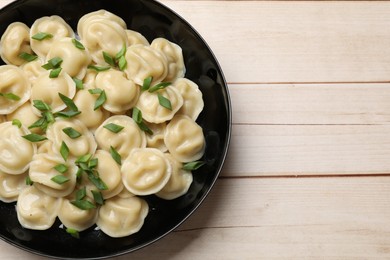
x,y
308,172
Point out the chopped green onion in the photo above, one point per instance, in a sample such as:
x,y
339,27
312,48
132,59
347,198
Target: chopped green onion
x,y
83,204
79,83
49,117
78,44
53,63
159,86
64,150
68,102
41,106
98,197
42,36
121,53
79,175
122,63
93,163
60,179
34,138
164,101
84,159
115,155
145,128
114,127
29,181
107,58
99,69
137,115
17,123
61,168
95,91
73,232
54,73
39,123
10,96
97,181
71,132
67,114
100,100
81,193
146,83
27,56
191,166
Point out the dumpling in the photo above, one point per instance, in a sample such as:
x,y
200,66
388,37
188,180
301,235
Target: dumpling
x,y
146,171
42,170
89,79
144,61
75,60
174,54
90,117
46,147
53,25
130,137
15,151
11,186
122,94
192,98
184,139
120,217
110,173
13,82
100,34
76,218
79,146
37,210
47,89
15,40
153,111
179,183
26,116
156,140
33,69
134,37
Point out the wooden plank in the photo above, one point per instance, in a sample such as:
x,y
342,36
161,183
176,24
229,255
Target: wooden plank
x,y
290,41
310,103
294,218
271,150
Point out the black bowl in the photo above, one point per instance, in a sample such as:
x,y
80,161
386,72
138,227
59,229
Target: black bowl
x,y
153,20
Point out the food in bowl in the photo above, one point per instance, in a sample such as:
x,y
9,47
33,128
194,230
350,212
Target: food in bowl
x,y
93,121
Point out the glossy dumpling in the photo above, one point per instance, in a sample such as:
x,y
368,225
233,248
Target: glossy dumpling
x,y
84,144
179,182
76,218
156,140
144,61
184,139
42,171
134,37
130,137
46,147
109,172
13,80
15,151
11,186
146,171
122,93
102,32
25,115
120,217
174,54
192,98
153,111
54,25
90,79
89,116
47,89
75,60
33,69
15,40
37,210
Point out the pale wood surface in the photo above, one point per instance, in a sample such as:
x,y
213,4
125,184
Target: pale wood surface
x,y
308,172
